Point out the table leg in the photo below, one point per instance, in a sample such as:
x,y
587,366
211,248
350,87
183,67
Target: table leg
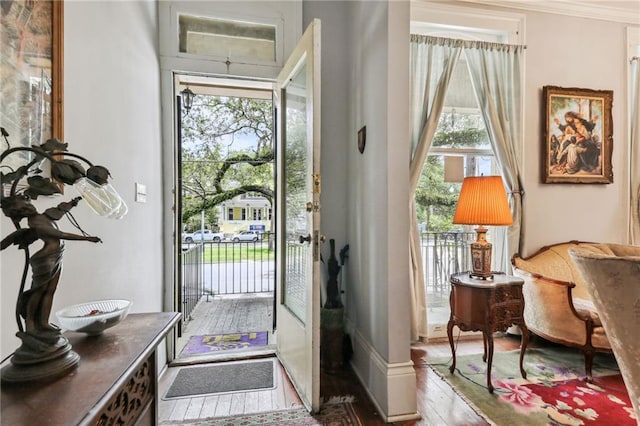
x,y
523,348
489,340
453,349
484,345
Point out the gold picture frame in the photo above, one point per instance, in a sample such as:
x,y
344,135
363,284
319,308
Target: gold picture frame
x,y
32,40
578,135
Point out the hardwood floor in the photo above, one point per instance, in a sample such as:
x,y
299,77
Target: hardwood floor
x,y
437,401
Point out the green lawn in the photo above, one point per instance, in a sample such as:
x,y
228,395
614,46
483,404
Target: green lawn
x,y
222,253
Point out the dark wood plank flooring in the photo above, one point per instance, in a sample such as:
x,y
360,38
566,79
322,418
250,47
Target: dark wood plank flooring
x,y
437,401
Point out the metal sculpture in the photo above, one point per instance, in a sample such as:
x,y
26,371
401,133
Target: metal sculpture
x,y
45,353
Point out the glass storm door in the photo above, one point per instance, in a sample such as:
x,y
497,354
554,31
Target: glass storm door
x,y
298,214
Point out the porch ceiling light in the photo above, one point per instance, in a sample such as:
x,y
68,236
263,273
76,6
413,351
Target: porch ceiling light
x,y
187,98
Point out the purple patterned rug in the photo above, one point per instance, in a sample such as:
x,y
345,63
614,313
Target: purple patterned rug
x,y
199,345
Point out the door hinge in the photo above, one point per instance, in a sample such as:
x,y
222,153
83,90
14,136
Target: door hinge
x,y
312,206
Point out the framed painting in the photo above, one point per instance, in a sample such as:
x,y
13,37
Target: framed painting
x,y
31,71
578,135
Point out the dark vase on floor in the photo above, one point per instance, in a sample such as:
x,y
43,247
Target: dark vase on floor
x,y
331,319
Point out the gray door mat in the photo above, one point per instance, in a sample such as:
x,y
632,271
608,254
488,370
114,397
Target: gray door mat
x,y
221,378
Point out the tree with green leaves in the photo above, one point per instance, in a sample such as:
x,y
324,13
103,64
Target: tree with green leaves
x,y
227,150
436,199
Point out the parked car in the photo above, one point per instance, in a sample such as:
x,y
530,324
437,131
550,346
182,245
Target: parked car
x,y
246,236
206,235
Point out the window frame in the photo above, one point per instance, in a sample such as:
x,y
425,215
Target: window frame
x,y
226,15
468,22
184,30
286,16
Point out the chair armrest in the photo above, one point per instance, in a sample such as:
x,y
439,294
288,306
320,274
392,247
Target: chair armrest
x,y
549,310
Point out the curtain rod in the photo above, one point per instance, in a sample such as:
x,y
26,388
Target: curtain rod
x,y
465,43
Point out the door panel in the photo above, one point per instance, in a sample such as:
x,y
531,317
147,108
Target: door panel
x,y
298,195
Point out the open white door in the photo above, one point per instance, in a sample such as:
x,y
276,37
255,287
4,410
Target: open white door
x,y
298,217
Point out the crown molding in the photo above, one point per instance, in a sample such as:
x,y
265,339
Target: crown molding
x,y
617,11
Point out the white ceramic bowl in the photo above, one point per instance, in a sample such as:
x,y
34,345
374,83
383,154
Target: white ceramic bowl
x,y
93,317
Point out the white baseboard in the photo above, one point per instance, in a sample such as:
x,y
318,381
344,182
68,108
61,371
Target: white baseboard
x,y
438,334
391,386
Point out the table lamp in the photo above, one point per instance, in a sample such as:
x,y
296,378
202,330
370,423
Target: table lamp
x,y
483,201
45,354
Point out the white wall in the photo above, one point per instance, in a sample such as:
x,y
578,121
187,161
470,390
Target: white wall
x,y
335,137
569,51
112,116
378,200
585,53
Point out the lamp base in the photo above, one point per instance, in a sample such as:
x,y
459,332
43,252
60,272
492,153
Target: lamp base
x,y
59,364
481,255
481,276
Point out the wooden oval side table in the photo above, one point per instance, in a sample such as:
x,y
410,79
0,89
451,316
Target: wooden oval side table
x,y
487,305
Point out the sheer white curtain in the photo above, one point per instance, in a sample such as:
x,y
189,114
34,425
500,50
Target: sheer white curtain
x,y
635,152
495,72
432,62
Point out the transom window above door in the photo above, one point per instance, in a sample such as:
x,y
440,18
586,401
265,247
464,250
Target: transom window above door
x,y
216,37
247,39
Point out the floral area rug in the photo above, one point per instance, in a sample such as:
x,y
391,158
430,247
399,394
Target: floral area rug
x,y
554,393
198,345
330,415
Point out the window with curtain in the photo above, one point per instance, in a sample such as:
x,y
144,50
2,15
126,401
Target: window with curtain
x,y
461,133
466,120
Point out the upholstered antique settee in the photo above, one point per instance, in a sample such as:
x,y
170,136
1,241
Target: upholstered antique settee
x,y
558,306
613,281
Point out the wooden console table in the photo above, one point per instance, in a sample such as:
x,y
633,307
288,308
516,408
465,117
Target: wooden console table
x,y
488,306
115,382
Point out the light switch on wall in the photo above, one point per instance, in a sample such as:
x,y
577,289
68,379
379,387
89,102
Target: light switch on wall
x,y
141,193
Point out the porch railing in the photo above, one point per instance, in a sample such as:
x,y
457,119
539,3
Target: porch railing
x,y
443,254
192,287
228,267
